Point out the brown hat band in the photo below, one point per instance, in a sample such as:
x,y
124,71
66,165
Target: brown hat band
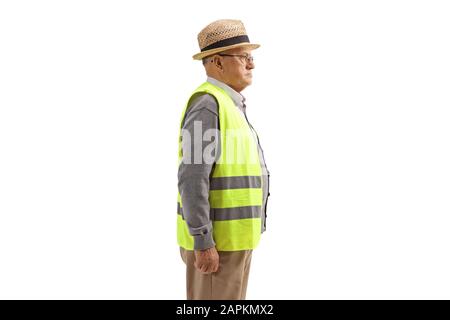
x,y
227,42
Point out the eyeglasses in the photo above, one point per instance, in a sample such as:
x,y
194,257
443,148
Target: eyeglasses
x,y
243,57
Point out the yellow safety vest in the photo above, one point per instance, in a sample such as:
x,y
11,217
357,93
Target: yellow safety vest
x,y
235,194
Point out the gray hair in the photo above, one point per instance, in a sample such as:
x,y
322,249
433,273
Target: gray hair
x,y
206,60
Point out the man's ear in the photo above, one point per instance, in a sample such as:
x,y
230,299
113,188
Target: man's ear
x,y
217,62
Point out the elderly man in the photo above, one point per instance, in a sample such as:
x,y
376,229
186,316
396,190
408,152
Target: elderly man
x,y
223,181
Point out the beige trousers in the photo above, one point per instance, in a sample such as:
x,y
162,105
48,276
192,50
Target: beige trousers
x,y
228,283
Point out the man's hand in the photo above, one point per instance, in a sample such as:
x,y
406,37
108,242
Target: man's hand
x,y
207,261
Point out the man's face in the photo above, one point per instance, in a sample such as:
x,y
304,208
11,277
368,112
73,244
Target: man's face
x,y
237,71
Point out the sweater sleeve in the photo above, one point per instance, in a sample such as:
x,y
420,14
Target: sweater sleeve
x,y
200,151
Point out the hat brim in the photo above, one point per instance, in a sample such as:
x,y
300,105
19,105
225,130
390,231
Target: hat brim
x,y
201,55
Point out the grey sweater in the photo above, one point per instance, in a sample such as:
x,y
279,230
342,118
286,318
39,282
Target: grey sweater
x,y
194,176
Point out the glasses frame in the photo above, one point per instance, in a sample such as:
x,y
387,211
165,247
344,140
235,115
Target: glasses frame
x,y
247,58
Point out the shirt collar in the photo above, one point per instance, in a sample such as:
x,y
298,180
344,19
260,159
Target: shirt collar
x,y
237,98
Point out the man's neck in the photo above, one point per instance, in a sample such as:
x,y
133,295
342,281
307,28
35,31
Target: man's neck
x,y
236,96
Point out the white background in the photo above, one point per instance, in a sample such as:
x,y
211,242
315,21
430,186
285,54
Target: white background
x,y
351,102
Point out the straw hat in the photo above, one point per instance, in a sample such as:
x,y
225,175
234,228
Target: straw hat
x,y
222,35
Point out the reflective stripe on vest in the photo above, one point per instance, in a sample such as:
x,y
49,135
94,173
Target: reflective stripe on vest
x,y
235,194
220,183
